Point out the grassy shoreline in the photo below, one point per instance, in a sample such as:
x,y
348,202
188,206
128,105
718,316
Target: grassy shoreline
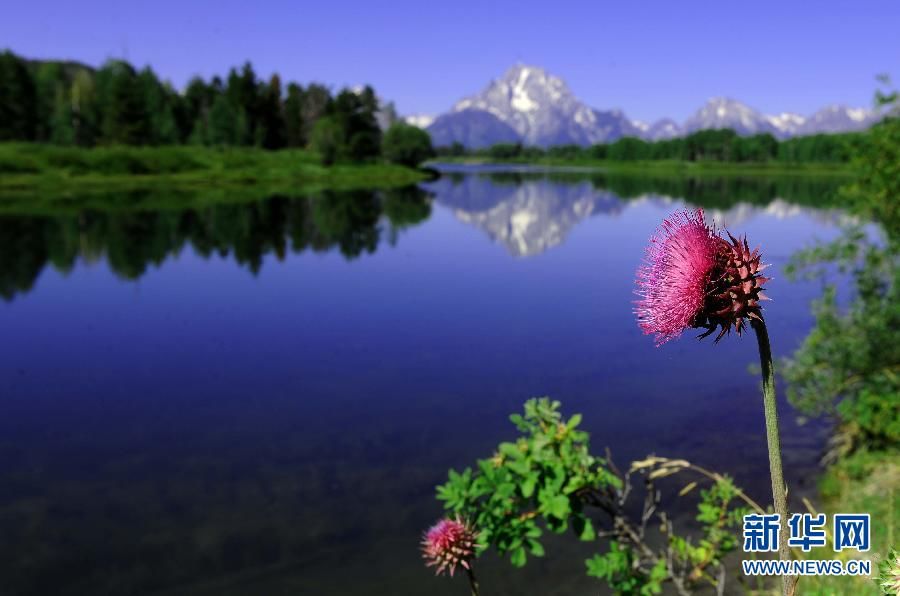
x,y
34,167
664,167
26,167
864,482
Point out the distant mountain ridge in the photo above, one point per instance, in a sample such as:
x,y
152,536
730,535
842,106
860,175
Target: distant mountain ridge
x,y
529,105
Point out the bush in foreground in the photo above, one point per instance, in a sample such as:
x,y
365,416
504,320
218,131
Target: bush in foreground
x,y
547,479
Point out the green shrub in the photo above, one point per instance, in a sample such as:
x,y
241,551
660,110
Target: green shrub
x,y
848,365
407,145
547,479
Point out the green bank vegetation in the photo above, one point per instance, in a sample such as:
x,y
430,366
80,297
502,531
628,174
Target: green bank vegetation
x,y
865,481
30,167
848,367
848,370
671,168
65,122
710,150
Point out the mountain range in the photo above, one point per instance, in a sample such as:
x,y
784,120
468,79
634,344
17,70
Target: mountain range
x,y
529,105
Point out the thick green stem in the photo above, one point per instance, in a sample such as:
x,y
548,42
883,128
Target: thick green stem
x,y
779,492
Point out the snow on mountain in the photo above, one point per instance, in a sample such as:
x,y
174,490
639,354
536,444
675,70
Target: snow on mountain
x,y
787,124
662,129
724,112
420,120
728,113
543,111
838,118
529,105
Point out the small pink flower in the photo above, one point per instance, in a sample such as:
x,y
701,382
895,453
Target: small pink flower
x,y
692,277
449,543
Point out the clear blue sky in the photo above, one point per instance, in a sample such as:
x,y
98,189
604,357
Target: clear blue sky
x,y
651,59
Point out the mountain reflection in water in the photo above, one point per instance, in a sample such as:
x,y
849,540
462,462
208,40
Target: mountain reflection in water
x,y
529,212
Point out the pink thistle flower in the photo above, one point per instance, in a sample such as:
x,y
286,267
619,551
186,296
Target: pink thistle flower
x,y
692,277
672,281
449,543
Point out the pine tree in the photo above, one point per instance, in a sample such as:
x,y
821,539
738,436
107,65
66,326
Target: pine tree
x,y
354,113
85,109
158,100
18,113
243,93
198,100
293,116
271,116
317,102
125,116
223,123
49,82
60,121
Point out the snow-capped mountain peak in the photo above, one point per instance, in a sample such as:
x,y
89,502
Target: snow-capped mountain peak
x,y
858,114
522,88
663,129
531,106
542,110
838,118
724,112
787,123
420,120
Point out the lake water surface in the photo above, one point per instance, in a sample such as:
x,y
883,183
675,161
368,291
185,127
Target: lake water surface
x,y
258,397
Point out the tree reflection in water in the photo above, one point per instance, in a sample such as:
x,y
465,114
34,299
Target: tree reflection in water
x,y
352,222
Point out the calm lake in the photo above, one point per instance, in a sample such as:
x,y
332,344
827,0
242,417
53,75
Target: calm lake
x,y
259,396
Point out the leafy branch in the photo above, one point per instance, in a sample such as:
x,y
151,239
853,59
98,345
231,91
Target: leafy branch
x,y
547,480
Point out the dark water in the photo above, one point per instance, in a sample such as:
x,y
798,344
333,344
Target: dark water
x,y
258,397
